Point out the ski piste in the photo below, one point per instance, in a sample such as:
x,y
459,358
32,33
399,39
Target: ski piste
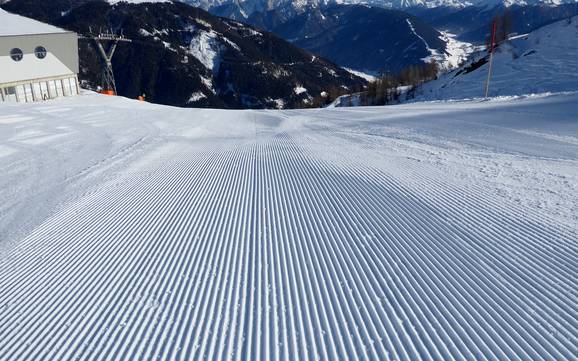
x,y
437,230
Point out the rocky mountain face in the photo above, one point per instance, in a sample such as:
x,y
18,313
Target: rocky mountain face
x,y
184,56
356,36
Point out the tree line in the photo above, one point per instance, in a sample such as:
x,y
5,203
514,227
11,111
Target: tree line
x,y
387,88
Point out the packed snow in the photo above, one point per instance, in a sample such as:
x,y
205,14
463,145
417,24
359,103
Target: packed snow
x,y
439,231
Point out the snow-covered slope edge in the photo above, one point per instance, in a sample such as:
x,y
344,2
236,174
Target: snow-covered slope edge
x,y
545,60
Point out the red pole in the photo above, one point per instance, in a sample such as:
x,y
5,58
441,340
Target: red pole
x,y
491,57
493,36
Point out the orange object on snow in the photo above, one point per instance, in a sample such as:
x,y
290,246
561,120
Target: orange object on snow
x,y
107,92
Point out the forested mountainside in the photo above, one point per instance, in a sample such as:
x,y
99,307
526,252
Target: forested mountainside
x,y
185,56
364,38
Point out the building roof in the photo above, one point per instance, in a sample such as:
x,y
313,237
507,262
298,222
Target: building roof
x,y
11,24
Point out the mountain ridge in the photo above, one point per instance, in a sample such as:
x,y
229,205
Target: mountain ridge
x,y
245,8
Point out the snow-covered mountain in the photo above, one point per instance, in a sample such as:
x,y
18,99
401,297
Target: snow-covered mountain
x,y
245,8
543,61
473,23
367,39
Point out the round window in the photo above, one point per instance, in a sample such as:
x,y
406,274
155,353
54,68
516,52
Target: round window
x,y
40,52
16,54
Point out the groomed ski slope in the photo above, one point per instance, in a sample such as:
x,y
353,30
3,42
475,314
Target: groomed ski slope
x,y
434,231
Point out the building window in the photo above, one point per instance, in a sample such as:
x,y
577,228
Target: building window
x,y
40,52
16,54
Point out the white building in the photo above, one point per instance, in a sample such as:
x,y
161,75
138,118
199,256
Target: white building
x,y
37,61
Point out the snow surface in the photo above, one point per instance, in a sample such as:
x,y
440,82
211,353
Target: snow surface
x,y
206,48
434,231
196,96
455,54
364,75
11,24
299,89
